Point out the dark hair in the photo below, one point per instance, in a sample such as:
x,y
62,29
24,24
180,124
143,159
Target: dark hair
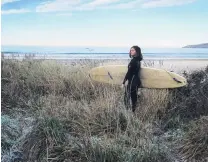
x,y
138,52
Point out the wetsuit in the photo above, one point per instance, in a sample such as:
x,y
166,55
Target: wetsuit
x,y
134,82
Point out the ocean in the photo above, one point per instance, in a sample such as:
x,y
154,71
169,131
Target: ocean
x,y
67,53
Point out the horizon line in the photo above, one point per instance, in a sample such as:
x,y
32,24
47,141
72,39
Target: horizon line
x,y
87,46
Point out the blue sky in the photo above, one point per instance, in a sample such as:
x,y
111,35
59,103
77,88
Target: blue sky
x,y
147,23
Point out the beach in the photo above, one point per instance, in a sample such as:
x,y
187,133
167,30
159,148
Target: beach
x,y
61,101
181,65
176,65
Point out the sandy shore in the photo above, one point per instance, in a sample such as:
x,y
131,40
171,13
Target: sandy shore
x,y
176,65
181,65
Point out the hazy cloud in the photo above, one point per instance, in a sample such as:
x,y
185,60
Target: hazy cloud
x,y
14,11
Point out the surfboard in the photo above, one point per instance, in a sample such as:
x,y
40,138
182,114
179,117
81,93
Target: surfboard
x,y
150,77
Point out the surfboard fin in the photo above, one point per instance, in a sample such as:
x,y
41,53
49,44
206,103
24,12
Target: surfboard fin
x,y
110,76
178,81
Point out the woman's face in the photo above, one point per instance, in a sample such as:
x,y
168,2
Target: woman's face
x,y
132,52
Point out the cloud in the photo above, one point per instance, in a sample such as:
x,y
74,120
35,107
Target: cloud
x,y
57,5
79,5
101,4
14,11
128,5
135,4
64,14
8,1
71,5
97,3
165,3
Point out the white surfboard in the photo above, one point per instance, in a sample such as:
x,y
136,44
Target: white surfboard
x,y
150,77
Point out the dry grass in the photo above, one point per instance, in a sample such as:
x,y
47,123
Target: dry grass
x,y
78,119
153,103
188,103
194,144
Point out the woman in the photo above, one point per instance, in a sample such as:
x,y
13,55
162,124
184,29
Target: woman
x,y
133,77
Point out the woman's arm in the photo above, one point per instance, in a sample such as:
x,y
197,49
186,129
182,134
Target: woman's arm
x,y
130,71
138,67
134,68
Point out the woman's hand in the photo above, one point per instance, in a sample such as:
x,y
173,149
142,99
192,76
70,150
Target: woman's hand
x,y
122,86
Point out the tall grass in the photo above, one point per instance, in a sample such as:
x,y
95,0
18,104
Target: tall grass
x,y
190,102
194,145
77,119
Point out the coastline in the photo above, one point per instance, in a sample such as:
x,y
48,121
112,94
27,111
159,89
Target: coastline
x,y
172,64
176,65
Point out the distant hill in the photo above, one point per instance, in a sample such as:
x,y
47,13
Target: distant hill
x,y
203,45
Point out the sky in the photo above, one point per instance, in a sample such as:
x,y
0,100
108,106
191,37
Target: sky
x,y
112,23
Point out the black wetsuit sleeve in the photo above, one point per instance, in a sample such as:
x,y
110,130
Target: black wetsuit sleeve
x,y
133,69
129,73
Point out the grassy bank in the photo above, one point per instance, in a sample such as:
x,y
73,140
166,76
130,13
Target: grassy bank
x,y
54,112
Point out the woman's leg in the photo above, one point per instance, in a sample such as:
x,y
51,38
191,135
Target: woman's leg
x,y
127,97
134,90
